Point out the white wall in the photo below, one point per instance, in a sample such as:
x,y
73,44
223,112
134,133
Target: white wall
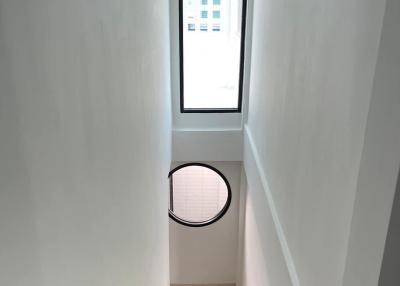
x,y
313,65
263,262
207,145
84,142
380,161
208,255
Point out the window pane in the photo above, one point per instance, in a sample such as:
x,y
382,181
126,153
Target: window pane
x,y
216,27
211,54
217,14
203,27
199,194
204,2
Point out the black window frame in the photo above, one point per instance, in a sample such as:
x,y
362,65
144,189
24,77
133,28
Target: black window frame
x,y
241,67
216,218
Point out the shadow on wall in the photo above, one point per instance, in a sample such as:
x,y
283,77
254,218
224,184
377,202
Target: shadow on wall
x,y
390,266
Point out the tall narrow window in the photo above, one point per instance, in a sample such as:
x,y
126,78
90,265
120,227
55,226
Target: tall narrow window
x,y
212,57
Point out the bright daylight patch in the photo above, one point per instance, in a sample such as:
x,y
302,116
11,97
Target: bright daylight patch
x,y
211,53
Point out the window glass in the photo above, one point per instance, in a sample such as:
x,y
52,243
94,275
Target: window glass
x,y
191,27
216,14
216,27
203,27
199,194
211,56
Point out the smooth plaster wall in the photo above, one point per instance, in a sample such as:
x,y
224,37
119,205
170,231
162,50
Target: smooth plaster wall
x,y
208,145
85,139
262,260
379,163
208,255
313,64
